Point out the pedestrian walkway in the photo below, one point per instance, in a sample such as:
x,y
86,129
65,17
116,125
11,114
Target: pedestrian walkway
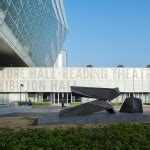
x,y
50,116
5,111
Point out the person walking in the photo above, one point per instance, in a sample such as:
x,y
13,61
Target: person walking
x,y
62,103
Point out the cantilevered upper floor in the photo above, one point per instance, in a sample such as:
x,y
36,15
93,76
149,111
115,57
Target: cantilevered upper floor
x,y
31,32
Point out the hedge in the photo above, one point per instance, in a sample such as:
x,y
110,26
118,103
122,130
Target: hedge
x,y
35,103
109,137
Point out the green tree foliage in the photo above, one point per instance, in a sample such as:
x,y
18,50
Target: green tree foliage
x,y
120,66
148,66
89,66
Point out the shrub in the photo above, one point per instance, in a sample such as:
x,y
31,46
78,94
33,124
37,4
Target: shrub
x,y
113,137
146,103
35,103
41,103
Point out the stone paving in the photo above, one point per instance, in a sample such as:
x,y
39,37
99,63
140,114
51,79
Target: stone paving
x,y
50,116
12,110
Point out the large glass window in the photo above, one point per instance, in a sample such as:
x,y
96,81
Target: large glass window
x,y
35,25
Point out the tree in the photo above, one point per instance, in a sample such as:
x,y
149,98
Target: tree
x,y
148,66
89,66
120,66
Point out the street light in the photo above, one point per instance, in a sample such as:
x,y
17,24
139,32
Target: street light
x,y
26,96
21,85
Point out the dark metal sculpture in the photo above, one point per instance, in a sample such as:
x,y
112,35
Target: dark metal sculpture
x,y
102,96
132,105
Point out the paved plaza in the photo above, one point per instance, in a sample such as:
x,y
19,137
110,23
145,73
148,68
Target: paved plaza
x,y
50,116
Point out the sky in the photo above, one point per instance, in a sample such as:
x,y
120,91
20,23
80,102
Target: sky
x,y
107,33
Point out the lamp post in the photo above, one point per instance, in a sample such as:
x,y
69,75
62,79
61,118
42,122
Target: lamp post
x,y
21,85
26,97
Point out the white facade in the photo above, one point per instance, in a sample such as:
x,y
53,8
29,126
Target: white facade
x,y
57,81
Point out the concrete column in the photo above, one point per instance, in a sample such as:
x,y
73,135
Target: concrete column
x,y
122,98
42,97
143,96
54,98
67,98
58,98
27,96
71,97
36,98
138,95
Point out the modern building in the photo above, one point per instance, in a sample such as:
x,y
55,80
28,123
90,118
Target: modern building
x,y
32,32
32,65
61,60
53,84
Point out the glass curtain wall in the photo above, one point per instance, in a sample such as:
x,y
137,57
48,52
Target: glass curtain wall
x,y
36,27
